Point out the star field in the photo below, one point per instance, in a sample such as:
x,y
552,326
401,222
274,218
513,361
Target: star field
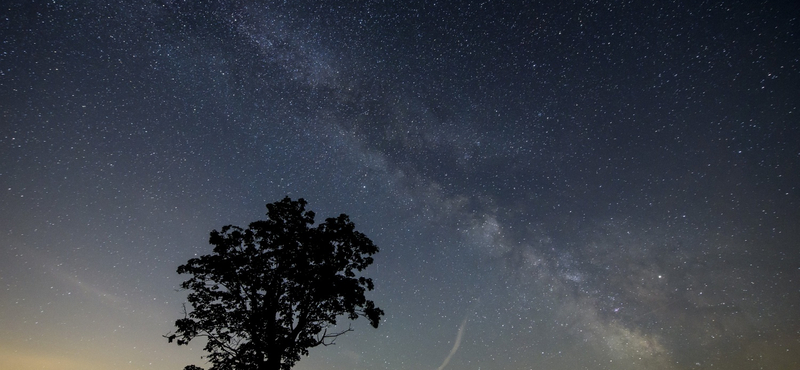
x,y
553,185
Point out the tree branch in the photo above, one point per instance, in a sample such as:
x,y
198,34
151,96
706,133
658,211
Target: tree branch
x,y
331,337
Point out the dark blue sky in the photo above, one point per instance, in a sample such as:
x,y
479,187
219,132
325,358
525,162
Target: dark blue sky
x,y
553,185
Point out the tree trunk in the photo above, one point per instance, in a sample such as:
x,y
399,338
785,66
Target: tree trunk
x,y
273,361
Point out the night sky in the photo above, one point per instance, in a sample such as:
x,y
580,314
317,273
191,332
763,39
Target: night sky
x,y
553,184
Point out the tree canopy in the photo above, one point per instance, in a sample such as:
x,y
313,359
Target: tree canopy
x,y
270,292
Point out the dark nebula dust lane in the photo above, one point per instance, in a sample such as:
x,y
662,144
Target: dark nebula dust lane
x,y
552,185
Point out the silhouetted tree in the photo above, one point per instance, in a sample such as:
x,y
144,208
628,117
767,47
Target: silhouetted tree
x,y
270,292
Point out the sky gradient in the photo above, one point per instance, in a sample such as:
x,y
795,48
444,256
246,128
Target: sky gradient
x,y
553,185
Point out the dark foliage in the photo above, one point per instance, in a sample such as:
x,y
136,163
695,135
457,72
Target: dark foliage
x,y
270,292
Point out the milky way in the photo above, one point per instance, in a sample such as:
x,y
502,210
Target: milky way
x,y
552,185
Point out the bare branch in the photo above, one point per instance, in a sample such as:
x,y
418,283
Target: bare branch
x,y
331,338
